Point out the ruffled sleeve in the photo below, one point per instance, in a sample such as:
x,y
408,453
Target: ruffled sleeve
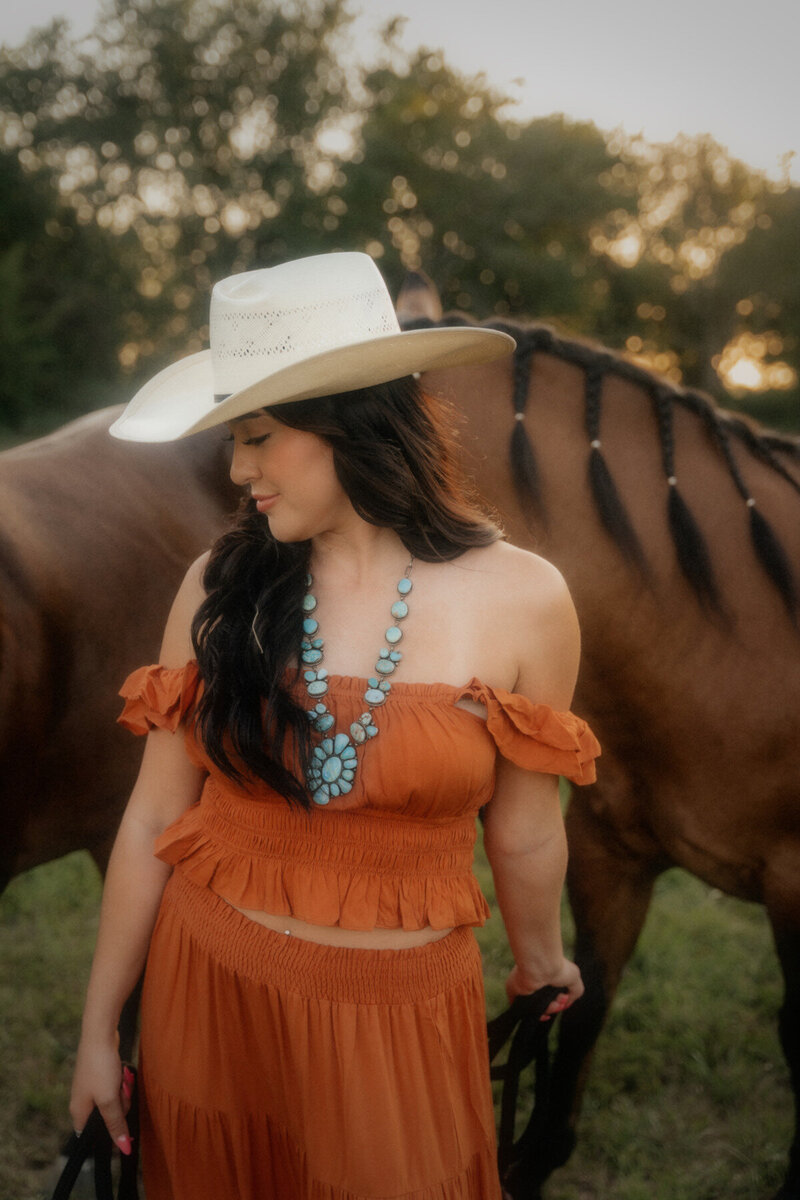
x,y
158,697
535,736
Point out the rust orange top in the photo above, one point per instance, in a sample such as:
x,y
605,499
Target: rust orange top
x,y
396,851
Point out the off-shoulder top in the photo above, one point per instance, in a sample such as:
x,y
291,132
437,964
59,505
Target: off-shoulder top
x,y
394,852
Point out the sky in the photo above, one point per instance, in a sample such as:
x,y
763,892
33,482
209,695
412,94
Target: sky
x,y
724,67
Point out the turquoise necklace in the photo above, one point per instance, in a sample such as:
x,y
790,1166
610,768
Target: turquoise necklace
x,y
334,761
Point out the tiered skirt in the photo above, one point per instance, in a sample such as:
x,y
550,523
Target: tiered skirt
x,y
273,1067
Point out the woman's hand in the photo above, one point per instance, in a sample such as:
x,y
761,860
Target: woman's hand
x,y
522,983
100,1079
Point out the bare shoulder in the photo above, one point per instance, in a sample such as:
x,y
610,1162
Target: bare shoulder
x,y
532,601
176,647
519,577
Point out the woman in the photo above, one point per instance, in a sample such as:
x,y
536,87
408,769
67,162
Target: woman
x,y
296,851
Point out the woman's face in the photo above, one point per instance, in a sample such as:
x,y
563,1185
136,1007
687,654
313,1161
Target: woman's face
x,y
291,477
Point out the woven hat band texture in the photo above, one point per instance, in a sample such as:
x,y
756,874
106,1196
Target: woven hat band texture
x,y
259,325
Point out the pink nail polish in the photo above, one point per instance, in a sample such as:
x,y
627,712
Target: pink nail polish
x,y
124,1143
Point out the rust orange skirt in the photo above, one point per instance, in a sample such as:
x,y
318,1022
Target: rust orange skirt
x,y
273,1067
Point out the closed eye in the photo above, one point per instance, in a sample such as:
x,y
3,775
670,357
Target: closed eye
x,y
253,441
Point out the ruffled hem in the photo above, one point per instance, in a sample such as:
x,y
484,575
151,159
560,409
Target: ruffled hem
x,y
531,735
317,892
535,736
260,1151
158,697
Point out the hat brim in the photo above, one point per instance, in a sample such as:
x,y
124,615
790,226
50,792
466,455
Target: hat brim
x,y
179,400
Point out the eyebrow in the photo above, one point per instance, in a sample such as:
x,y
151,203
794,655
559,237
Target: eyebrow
x,y
251,416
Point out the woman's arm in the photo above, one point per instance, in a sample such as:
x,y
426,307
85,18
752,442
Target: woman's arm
x,y
167,784
523,828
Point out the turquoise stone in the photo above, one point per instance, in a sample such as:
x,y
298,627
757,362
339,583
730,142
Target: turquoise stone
x,y
331,769
334,761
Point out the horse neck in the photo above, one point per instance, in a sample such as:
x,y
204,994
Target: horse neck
x,y
638,626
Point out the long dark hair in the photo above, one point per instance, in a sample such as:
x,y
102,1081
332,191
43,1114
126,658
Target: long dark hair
x,y
395,455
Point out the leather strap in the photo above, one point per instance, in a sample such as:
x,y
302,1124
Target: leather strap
x,y
528,1034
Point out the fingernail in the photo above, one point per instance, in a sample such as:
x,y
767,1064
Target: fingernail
x,y
124,1143
127,1074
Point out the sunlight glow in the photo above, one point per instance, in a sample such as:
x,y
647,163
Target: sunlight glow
x,y
743,365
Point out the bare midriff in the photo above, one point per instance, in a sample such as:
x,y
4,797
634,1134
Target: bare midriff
x,y
354,939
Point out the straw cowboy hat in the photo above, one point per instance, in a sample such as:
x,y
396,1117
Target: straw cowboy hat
x,y
314,327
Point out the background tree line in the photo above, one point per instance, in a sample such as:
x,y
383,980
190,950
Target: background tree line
x,y
184,140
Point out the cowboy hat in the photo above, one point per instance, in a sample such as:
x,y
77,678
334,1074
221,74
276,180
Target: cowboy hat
x,y
313,327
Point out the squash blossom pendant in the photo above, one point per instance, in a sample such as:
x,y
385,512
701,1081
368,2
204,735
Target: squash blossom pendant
x,y
334,761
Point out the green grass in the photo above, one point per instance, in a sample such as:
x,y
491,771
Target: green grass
x,y
688,1097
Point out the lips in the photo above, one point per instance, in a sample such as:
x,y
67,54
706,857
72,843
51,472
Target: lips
x,y
265,503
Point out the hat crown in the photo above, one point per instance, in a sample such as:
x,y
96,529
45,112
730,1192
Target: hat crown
x,y
264,320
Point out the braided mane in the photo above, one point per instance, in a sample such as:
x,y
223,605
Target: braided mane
x,y
724,429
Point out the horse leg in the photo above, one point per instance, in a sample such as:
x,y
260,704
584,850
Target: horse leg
x,y
609,892
787,944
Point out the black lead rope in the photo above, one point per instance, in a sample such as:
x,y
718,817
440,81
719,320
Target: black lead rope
x,y
528,1034
94,1141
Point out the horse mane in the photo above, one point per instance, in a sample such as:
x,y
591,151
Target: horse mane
x,y
724,430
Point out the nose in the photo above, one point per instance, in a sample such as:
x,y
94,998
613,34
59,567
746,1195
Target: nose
x,y
244,468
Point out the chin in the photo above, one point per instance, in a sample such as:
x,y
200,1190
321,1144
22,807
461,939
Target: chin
x,y
283,531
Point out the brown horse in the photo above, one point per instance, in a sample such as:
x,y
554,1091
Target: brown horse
x,y
94,539
675,527
690,670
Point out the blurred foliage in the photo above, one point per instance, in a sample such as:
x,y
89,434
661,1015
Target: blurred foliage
x,y
183,140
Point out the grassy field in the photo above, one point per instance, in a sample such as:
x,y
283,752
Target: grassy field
x,y
689,1096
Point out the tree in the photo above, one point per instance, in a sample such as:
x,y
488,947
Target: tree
x,y
189,135
496,212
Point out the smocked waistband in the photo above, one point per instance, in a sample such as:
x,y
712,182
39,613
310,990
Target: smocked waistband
x,y
316,971
374,841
